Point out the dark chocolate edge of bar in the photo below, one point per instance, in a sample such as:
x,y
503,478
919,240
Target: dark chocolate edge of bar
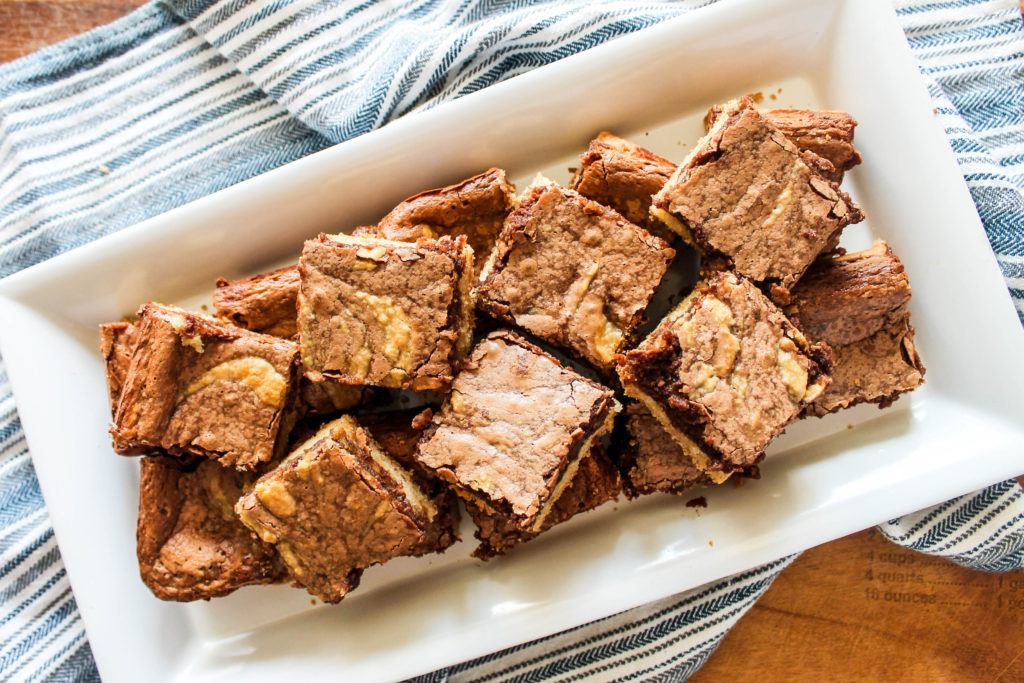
x,y
377,477
487,550
455,322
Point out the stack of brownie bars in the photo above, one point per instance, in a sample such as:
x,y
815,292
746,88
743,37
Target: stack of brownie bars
x,y
270,452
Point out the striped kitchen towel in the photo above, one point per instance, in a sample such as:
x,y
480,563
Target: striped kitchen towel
x,y
182,98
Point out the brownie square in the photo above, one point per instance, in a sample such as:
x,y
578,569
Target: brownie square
x,y
651,459
849,297
475,207
829,134
385,313
264,303
857,304
573,272
748,197
512,433
724,373
336,505
197,385
876,369
117,342
596,482
624,176
191,545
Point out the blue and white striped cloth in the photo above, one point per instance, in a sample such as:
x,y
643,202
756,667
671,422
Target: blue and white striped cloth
x,y
182,98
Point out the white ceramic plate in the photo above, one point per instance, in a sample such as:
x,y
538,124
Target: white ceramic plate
x,y
822,480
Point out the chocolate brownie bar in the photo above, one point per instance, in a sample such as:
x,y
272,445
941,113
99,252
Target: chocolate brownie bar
x,y
263,303
849,297
873,370
829,134
724,373
117,342
335,506
748,197
191,545
596,482
625,176
651,459
475,207
857,304
198,385
573,272
378,312
514,430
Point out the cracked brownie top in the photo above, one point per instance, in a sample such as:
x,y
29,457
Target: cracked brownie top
x,y
573,272
747,195
511,433
378,312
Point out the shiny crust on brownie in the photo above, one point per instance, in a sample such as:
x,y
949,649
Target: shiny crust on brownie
x,y
726,371
748,196
196,385
514,428
829,134
844,298
573,272
384,313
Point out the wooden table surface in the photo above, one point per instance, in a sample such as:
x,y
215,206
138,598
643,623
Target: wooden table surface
x,y
859,608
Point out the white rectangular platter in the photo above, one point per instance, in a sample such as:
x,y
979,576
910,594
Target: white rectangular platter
x,y
822,480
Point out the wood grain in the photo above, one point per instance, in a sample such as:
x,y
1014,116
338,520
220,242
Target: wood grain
x,y
863,609
858,608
